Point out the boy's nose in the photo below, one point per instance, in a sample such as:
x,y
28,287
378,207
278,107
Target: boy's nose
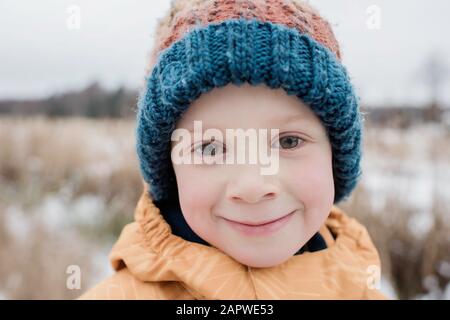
x,y
251,186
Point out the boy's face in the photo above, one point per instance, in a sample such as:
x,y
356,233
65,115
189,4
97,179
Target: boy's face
x,y
225,203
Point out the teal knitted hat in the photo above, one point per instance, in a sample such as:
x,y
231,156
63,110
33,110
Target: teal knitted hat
x,y
238,49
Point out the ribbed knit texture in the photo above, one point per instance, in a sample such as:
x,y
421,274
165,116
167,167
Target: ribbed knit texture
x,y
237,51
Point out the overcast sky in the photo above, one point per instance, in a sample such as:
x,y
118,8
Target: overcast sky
x,y
40,55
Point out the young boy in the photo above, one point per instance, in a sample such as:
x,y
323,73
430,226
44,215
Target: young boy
x,y
209,226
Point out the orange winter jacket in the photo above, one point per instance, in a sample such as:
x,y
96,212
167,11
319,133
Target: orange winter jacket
x,y
153,263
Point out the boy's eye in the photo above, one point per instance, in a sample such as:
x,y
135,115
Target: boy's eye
x,y
210,148
288,142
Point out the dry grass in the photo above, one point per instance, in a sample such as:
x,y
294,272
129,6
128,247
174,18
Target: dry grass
x,y
50,172
414,242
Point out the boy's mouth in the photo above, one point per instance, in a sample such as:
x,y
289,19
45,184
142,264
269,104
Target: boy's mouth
x,y
262,227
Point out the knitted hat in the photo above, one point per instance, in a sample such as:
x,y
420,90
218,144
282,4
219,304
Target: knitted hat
x,y
204,44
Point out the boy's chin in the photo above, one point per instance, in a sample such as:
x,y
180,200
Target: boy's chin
x,y
265,259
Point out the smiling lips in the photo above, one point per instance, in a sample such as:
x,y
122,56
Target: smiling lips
x,y
261,228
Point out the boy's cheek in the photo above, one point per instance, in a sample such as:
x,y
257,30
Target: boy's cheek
x,y
311,182
197,192
313,188
199,181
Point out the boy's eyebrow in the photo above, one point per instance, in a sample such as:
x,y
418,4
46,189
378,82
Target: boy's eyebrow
x,y
293,118
272,121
